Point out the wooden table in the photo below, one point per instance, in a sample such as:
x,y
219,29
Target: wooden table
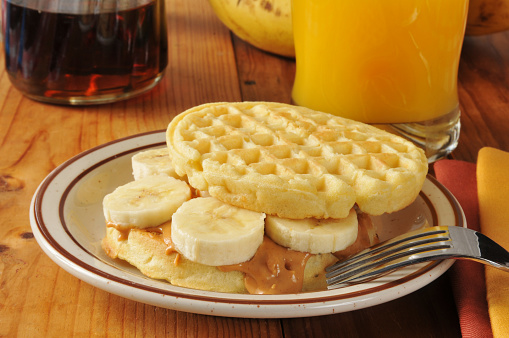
x,y
37,298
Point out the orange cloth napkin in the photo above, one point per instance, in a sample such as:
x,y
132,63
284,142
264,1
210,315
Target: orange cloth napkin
x,y
467,277
481,293
493,192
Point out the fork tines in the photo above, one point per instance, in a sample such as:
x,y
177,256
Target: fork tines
x,y
411,248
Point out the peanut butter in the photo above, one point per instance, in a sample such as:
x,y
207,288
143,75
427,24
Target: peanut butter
x,y
170,247
273,269
123,231
163,231
366,237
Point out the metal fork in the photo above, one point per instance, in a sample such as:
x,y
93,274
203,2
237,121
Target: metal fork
x,y
428,244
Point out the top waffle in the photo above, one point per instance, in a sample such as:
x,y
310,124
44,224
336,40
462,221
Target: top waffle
x,y
292,161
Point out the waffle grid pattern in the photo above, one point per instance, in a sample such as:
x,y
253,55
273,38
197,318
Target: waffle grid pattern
x,y
236,150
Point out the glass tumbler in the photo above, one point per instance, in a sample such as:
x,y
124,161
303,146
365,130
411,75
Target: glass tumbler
x,y
387,62
82,52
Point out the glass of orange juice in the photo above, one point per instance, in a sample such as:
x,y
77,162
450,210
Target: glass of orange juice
x,y
390,62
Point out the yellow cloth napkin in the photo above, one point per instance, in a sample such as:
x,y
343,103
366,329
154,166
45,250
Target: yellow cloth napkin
x,y
493,192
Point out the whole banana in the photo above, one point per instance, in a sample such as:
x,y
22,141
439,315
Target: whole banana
x,y
487,16
266,24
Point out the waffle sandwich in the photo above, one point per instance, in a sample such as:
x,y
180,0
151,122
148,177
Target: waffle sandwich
x,y
263,197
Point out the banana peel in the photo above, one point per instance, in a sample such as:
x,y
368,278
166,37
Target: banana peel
x,y
265,24
487,17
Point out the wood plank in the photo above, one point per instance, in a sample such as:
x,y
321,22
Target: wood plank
x,y
202,62
413,313
483,94
263,76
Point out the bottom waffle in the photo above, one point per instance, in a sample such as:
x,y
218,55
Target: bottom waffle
x,y
148,251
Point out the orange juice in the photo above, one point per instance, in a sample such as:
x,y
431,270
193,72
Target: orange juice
x,y
378,61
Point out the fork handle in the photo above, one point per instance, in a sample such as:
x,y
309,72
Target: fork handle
x,y
492,253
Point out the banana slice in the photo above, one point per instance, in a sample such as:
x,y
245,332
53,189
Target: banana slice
x,y
147,202
152,162
313,235
208,231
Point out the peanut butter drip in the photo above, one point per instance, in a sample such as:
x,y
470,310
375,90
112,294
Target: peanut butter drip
x,y
123,231
162,232
273,269
170,247
366,237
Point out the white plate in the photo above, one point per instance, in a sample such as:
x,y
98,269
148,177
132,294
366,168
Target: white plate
x,y
67,221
